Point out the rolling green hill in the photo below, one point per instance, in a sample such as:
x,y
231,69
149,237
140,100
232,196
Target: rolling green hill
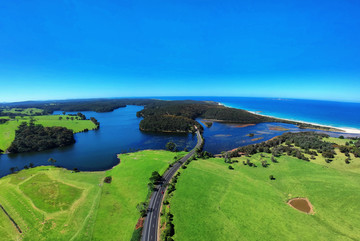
x,y
212,202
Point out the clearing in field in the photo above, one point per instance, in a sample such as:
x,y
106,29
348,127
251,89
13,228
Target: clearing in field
x,y
50,195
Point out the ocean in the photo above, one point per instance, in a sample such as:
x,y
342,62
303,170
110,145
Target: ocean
x,y
331,113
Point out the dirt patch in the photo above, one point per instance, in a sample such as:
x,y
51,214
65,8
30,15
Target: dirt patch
x,y
256,139
301,204
278,128
140,223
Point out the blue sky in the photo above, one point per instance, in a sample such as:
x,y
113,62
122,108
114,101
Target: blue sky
x,y
87,48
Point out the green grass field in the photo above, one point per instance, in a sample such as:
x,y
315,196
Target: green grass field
x,y
117,207
26,111
212,202
51,203
7,130
337,141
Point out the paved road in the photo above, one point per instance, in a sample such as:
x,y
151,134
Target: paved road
x,y
150,228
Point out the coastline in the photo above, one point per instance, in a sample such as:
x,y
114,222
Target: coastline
x,y
348,130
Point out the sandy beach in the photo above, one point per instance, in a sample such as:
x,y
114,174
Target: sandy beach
x,y
348,130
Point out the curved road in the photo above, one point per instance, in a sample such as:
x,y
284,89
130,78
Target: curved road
x,y
150,229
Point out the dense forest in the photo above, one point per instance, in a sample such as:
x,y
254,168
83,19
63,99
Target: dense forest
x,y
168,123
97,105
31,137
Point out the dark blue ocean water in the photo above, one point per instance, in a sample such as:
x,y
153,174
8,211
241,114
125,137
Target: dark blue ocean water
x,y
337,114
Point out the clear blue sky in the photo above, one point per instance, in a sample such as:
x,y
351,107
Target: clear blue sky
x,y
86,48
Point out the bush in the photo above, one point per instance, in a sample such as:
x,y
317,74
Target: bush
x,y
108,179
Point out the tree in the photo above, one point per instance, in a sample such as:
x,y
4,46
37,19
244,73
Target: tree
x,y
271,177
60,118
341,137
108,179
171,146
72,118
155,177
231,167
1,151
31,165
142,208
273,159
64,113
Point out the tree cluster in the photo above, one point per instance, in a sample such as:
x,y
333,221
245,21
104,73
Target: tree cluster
x,y
168,123
31,137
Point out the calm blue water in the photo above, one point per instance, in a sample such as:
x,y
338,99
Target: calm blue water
x,y
96,150
337,114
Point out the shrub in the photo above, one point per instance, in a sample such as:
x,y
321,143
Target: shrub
x,y
108,179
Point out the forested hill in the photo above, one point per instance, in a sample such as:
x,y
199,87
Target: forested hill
x,y
97,105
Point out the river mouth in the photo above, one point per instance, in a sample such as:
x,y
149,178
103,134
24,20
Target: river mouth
x,y
301,204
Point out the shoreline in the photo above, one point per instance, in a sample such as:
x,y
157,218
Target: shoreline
x,y
348,130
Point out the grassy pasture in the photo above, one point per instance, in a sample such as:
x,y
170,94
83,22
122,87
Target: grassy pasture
x,y
337,141
49,195
117,208
7,130
214,203
50,203
22,111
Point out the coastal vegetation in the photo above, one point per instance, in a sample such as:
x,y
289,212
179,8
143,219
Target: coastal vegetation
x,y
74,123
250,199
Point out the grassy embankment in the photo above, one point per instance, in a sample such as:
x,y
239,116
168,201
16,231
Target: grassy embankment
x,y
7,130
51,203
212,202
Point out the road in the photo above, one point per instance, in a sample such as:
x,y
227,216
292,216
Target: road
x,y
150,229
